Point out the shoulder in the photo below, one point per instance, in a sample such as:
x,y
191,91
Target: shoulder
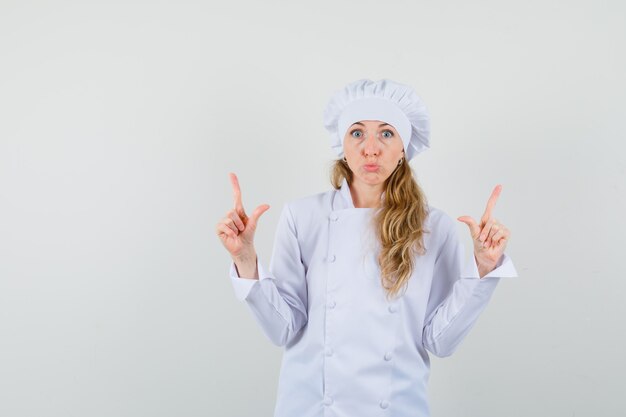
x,y
310,203
306,211
441,225
437,218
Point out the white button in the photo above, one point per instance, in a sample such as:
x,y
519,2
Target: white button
x,y
388,356
329,351
333,217
328,401
331,258
384,404
332,304
393,308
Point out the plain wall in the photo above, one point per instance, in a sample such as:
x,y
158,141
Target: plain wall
x,y
121,120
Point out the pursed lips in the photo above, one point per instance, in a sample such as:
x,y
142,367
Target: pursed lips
x,y
371,167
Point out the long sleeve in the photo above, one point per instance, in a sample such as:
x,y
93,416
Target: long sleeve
x,y
457,298
278,299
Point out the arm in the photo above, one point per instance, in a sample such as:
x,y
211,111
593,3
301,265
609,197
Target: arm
x,y
278,298
457,298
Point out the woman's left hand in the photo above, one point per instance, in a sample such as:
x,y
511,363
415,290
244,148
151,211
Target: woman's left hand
x,y
490,236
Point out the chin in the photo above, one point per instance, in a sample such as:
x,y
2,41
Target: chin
x,y
372,178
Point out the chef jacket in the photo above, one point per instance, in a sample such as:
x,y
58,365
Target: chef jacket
x,y
348,351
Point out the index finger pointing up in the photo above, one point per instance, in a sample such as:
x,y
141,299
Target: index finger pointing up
x,y
491,203
236,193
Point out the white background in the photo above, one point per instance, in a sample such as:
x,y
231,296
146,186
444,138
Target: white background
x,y
119,123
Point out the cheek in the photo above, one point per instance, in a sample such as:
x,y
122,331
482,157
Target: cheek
x,y
398,145
349,148
399,151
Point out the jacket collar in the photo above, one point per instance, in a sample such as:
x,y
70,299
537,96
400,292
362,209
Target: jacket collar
x,y
344,192
346,197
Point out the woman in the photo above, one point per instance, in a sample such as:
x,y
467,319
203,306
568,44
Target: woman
x,y
365,278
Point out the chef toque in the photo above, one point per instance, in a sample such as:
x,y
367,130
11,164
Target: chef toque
x,y
385,100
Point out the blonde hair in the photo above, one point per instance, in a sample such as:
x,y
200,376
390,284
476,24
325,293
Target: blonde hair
x,y
399,224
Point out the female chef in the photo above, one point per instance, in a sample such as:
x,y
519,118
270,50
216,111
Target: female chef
x,y
365,279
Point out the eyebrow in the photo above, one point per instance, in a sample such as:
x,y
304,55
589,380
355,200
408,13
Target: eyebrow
x,y
380,125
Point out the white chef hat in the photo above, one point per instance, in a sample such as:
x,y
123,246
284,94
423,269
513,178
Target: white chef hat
x,y
385,100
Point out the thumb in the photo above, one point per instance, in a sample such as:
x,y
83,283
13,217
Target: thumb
x,y
256,214
473,226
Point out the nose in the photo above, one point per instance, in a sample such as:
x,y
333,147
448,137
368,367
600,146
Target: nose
x,y
371,145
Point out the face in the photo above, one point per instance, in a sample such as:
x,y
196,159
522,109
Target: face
x,y
373,149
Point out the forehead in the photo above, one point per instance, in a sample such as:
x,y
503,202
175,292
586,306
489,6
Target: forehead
x,y
372,123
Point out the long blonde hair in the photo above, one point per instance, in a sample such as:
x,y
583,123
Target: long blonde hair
x,y
399,223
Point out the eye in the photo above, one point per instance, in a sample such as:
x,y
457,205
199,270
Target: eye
x,y
387,134
356,133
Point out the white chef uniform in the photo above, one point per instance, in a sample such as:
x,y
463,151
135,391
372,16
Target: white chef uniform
x,y
347,350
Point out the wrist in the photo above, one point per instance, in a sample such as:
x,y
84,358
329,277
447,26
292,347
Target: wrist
x,y
484,269
246,266
245,257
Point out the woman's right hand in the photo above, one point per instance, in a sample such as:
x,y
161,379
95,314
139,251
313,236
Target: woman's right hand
x,y
236,229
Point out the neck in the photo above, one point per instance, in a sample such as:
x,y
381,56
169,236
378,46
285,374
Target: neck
x,y
365,195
